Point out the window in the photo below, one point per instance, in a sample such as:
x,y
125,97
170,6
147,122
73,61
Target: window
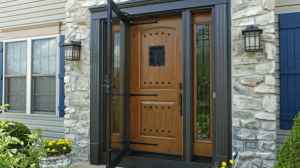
x,y
30,75
16,75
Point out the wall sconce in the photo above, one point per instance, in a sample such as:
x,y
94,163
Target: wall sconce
x,y
72,51
252,38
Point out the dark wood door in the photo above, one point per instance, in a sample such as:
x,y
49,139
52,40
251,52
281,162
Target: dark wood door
x,y
156,68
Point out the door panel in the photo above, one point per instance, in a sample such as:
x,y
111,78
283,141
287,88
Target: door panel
x,y
156,68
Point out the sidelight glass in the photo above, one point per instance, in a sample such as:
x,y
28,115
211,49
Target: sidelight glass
x,y
117,76
203,81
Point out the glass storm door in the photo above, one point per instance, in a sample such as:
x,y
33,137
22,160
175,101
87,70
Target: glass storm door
x,y
115,86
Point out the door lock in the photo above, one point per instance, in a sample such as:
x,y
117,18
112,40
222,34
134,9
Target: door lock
x,y
180,101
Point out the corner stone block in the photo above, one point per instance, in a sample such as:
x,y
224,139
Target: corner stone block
x,y
265,90
270,136
268,126
82,144
268,37
84,155
265,19
270,145
270,80
250,11
266,155
69,123
270,103
247,154
71,137
263,69
246,102
265,116
243,70
242,114
243,134
241,89
237,2
236,123
269,4
269,29
270,50
70,110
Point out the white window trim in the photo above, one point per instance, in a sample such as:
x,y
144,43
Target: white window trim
x,y
29,73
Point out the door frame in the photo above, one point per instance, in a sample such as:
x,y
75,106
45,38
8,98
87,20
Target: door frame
x,y
221,47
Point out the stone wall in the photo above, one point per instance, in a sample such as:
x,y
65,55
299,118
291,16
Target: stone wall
x,y
77,78
253,85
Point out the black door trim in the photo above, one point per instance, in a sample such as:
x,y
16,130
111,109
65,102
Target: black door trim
x,y
221,47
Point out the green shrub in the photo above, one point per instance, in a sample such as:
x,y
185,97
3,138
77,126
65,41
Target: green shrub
x,y
17,130
289,152
28,155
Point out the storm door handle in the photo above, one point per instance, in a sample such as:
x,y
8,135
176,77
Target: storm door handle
x,y
180,101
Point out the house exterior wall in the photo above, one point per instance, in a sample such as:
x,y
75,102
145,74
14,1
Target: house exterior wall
x,y
286,6
31,12
253,84
21,13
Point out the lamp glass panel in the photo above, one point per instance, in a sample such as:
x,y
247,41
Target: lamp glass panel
x,y
252,40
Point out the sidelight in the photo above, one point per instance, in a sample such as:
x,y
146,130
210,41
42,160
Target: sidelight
x,y
203,81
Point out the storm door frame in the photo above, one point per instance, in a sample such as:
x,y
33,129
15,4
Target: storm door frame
x,y
221,47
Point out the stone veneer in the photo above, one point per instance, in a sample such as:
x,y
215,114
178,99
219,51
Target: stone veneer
x,y
253,84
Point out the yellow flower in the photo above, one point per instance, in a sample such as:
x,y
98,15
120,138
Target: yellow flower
x,y
61,140
53,150
231,161
64,148
67,140
48,149
50,144
222,167
45,140
71,142
223,163
71,146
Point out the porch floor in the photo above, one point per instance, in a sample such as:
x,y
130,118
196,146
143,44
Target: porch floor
x,y
87,165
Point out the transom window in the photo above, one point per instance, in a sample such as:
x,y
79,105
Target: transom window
x,y
30,76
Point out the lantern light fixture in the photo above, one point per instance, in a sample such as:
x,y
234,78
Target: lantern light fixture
x,y
252,38
72,51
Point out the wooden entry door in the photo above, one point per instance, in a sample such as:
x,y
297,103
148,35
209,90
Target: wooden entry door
x,y
156,68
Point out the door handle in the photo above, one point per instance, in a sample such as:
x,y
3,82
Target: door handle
x,y
180,101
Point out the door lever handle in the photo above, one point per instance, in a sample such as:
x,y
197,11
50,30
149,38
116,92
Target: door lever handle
x,y
180,101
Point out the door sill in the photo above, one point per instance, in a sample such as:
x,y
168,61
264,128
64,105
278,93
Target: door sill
x,y
156,155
